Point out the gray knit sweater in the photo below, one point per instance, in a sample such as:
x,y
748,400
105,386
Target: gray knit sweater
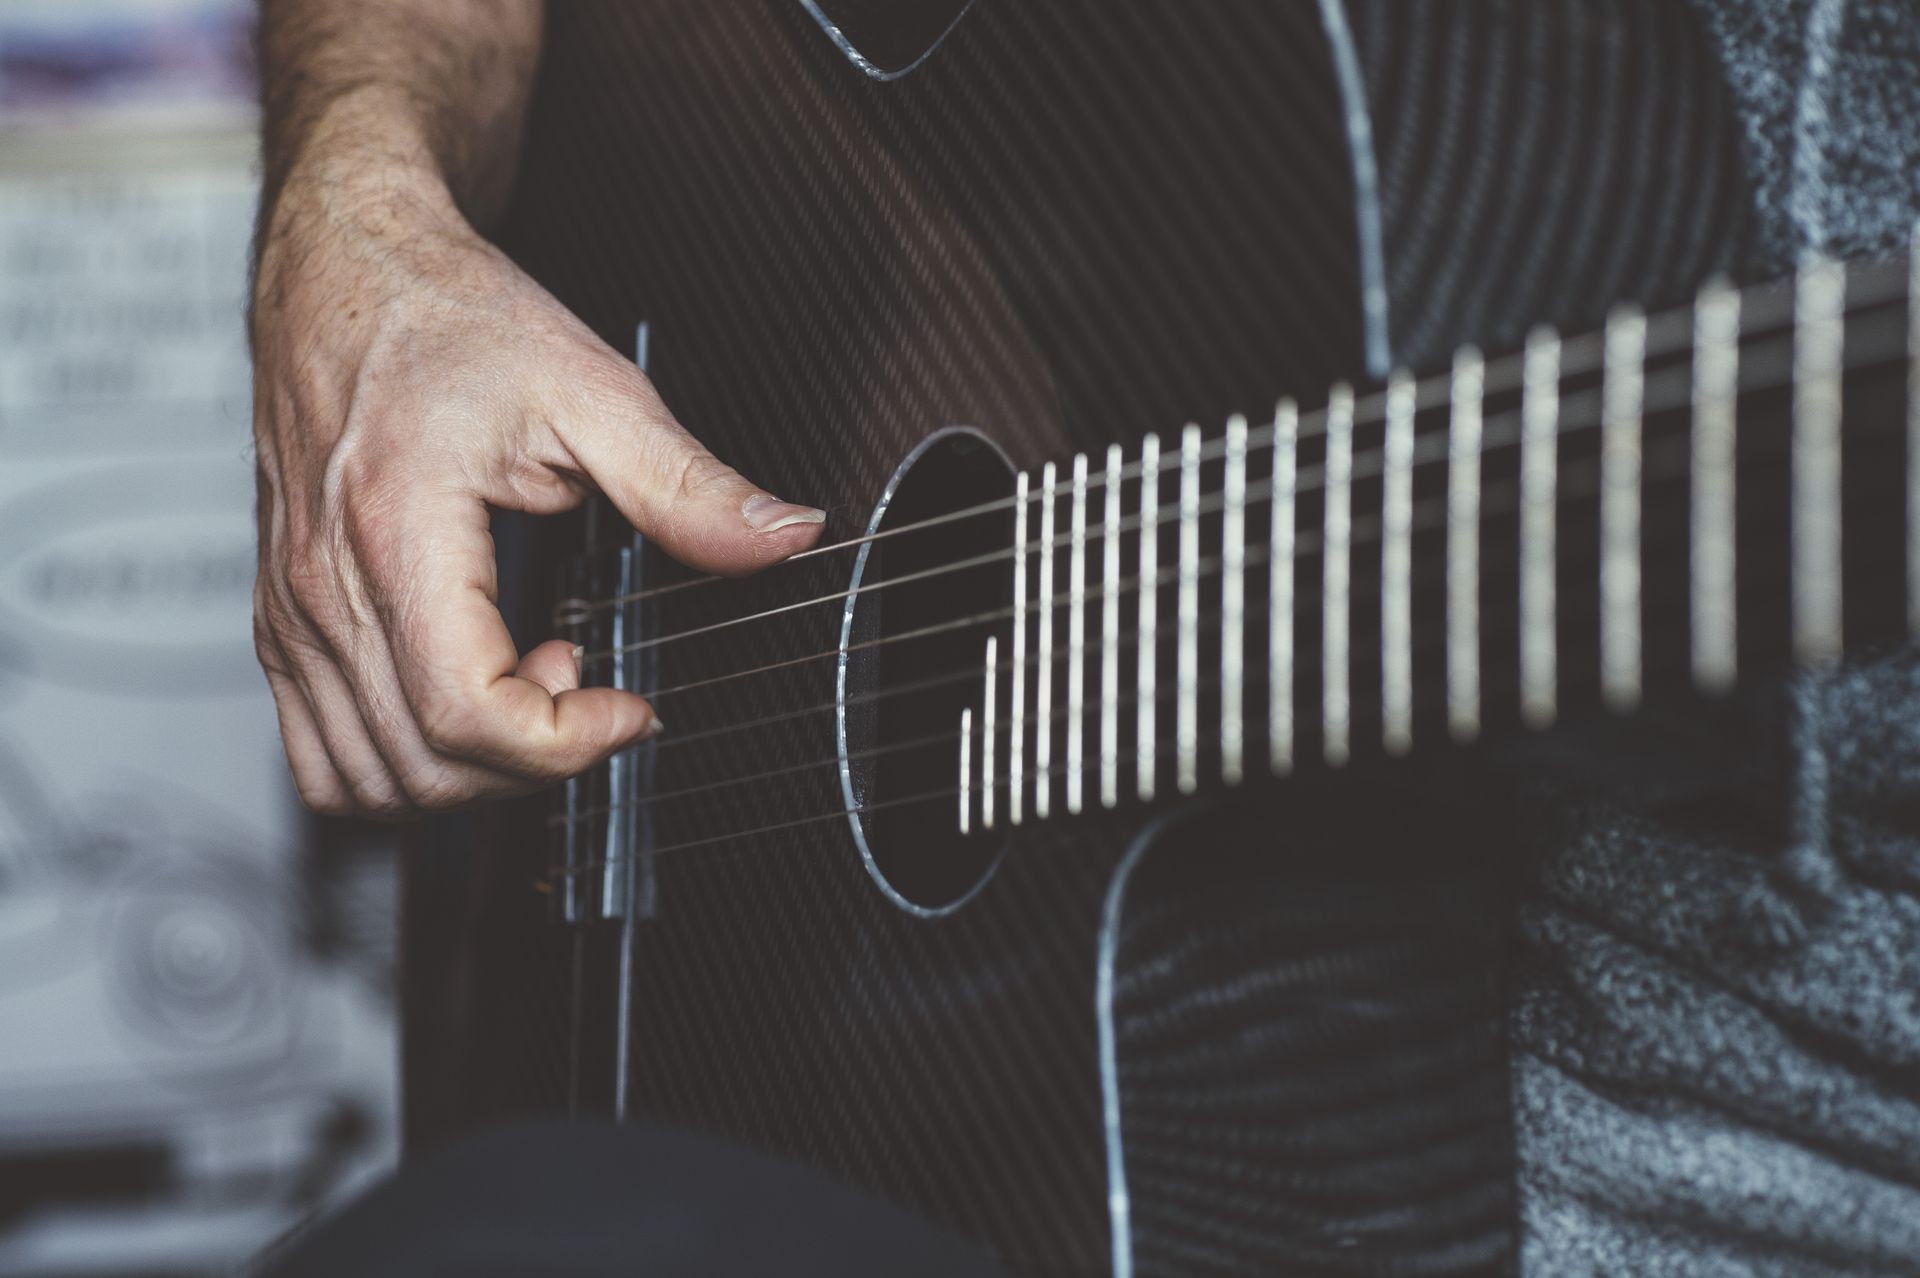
x,y
1717,1035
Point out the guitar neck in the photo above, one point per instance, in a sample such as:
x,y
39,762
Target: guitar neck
x,y
1663,507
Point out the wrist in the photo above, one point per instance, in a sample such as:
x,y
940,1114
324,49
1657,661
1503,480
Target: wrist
x,y
364,152
359,185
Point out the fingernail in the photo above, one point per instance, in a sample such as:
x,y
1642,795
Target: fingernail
x,y
653,729
579,660
770,514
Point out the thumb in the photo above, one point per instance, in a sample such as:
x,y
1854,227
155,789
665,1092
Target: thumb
x,y
687,501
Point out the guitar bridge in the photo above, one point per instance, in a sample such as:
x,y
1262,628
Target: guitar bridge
x,y
600,858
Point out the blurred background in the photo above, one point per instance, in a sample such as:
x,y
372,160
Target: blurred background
x,y
197,1042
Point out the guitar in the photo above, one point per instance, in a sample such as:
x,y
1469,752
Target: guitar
x,y
1256,438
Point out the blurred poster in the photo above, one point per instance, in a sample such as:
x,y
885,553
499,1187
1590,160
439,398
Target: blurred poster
x,y
197,1042
146,65
121,296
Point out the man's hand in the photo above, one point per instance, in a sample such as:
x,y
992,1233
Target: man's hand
x,y
407,377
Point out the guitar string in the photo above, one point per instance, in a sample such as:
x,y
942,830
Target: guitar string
x,y
916,743
941,570
1427,515
1000,784
1871,285
948,793
1661,664
1502,499
1430,449
1665,391
1305,664
726,730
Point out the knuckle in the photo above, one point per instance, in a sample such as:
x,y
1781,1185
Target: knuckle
x,y
375,792
310,587
702,475
324,800
448,723
434,789
369,515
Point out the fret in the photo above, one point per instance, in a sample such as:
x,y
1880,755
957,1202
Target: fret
x,y
1396,568
1043,675
1186,737
1716,388
1110,633
1463,545
966,770
1913,433
1076,638
1286,438
1336,580
988,744
1144,745
1819,292
1539,480
1622,392
1017,735
1233,602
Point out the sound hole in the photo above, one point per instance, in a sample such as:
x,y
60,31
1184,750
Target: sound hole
x,y
913,640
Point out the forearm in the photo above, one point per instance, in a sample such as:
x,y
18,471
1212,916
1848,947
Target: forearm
x,y
421,98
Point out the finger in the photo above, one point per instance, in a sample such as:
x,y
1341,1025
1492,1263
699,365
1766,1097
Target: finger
x,y
321,787
664,481
557,666
457,665
554,665
374,785
431,779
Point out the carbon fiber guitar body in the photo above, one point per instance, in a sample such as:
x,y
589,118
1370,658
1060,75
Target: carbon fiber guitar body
x,y
1275,1020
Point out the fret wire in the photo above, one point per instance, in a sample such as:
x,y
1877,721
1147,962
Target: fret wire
x,y
1429,514
1110,633
1336,580
1463,545
1076,639
1815,519
931,796
1043,689
1187,648
988,737
1539,511
1208,505
820,707
834,760
1280,573
1622,395
1017,746
837,814
1767,306
1678,380
1233,603
557,821
1913,433
1365,465
966,770
1716,389
1149,616
1396,569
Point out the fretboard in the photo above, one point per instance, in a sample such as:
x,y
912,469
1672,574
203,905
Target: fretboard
x,y
1666,506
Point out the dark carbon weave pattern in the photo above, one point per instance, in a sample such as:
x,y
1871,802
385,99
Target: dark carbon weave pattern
x,y
1076,223
1013,237
1543,161
1310,1026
